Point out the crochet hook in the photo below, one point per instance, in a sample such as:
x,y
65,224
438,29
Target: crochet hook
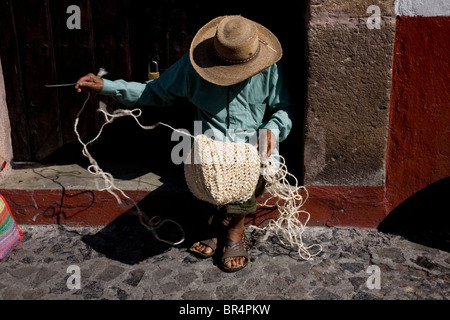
x,y
60,85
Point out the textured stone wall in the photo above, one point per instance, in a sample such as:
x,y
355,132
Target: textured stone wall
x,y
5,130
348,93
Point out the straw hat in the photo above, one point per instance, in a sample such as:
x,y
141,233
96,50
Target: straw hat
x,y
231,49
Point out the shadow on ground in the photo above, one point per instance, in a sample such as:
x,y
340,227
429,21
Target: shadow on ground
x,y
126,240
423,218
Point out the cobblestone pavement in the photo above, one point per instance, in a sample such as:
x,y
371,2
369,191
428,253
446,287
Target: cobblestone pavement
x,y
123,261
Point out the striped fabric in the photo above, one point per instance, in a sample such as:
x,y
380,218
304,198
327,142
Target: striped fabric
x,y
10,234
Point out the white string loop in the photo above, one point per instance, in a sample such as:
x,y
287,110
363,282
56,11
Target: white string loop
x,y
152,224
288,227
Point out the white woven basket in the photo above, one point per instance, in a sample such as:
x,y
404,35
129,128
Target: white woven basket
x,y
222,172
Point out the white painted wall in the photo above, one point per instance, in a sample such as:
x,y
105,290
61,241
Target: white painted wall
x,y
427,8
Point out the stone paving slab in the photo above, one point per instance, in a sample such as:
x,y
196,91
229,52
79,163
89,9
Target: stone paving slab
x,y
125,262
73,177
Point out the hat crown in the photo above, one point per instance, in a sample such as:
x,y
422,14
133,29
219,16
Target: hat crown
x,y
230,49
236,39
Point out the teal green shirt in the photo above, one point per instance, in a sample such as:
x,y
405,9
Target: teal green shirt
x,y
222,109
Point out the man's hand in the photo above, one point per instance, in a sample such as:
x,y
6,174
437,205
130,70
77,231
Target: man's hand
x,y
89,82
266,143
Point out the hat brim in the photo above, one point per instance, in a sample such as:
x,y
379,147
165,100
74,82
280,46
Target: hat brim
x,y
215,70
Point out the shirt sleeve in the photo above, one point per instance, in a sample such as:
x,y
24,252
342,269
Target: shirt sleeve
x,y
165,90
279,103
127,93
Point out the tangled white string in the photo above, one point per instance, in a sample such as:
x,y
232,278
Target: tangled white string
x,y
94,168
288,227
152,224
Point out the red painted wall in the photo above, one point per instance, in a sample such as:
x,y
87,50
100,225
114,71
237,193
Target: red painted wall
x,y
418,152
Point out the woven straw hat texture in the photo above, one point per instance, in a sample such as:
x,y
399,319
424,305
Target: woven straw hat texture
x,y
231,49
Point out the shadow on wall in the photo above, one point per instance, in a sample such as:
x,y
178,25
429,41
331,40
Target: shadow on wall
x,y
424,217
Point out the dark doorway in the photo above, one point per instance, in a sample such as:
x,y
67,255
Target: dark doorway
x,y
122,36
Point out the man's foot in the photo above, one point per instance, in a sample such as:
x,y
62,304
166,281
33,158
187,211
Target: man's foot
x,y
205,248
235,255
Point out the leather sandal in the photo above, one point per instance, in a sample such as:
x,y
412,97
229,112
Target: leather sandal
x,y
233,250
209,243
